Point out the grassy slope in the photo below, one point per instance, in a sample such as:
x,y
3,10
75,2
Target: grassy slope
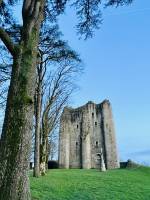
x,y
76,184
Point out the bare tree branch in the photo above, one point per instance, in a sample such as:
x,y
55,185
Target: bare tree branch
x,y
7,41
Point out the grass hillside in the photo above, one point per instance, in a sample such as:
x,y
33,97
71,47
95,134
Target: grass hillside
x,y
76,184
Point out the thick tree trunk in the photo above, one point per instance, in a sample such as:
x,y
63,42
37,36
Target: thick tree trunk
x,y
18,123
36,171
17,128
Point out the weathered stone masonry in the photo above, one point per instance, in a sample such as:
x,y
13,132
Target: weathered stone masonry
x,y
84,132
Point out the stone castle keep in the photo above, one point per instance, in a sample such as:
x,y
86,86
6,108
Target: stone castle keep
x,y
85,133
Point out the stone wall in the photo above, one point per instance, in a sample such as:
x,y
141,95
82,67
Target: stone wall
x,y
108,129
84,131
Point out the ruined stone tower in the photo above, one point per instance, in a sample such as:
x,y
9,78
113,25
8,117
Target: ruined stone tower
x,y
84,133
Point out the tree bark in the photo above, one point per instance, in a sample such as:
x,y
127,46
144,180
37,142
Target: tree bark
x,y
17,129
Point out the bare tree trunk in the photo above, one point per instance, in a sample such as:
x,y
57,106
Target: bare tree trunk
x,y
17,128
43,154
47,154
36,171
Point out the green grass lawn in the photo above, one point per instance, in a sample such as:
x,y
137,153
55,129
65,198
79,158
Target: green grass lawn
x,y
76,184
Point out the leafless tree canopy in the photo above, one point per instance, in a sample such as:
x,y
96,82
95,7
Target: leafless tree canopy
x,y
57,67
5,72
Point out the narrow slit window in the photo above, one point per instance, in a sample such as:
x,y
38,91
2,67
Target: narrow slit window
x,y
77,126
92,114
96,143
95,123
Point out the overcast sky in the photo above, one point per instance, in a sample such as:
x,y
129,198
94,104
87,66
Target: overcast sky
x,y
117,67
